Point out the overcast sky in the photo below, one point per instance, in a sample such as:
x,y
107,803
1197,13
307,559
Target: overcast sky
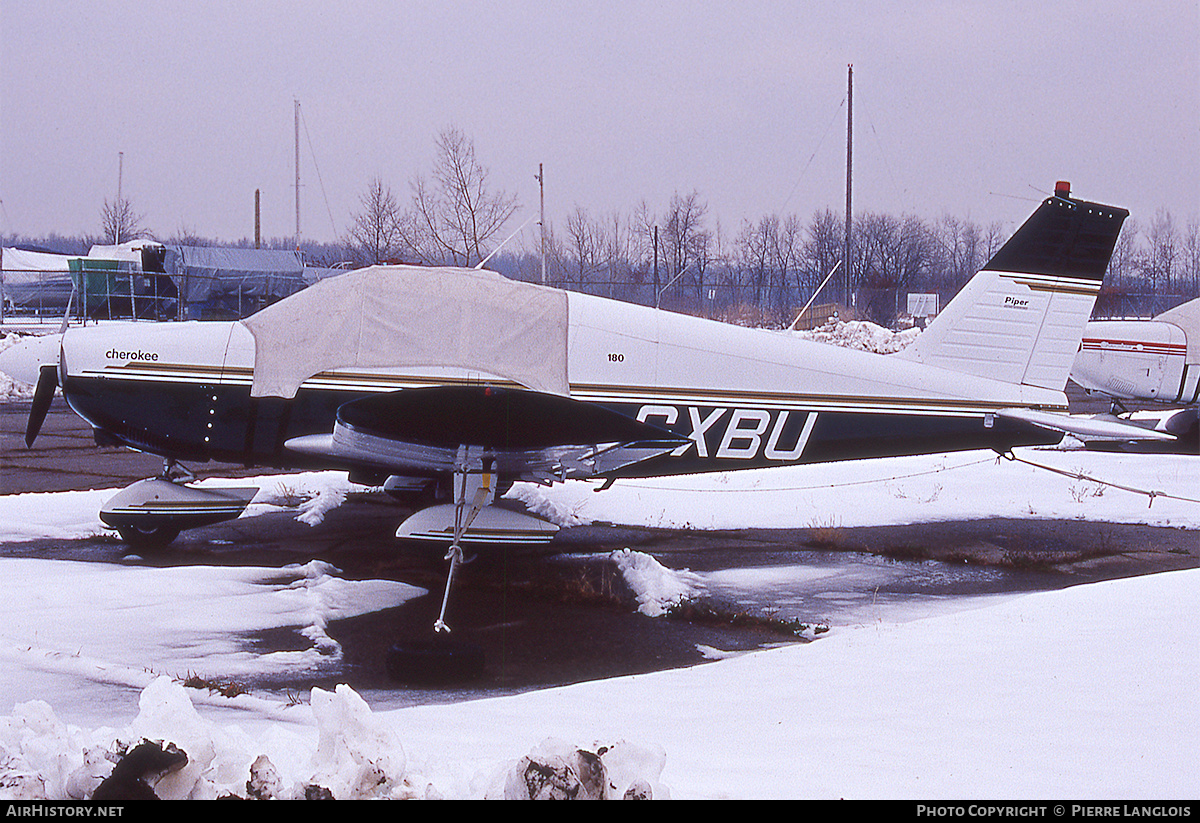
x,y
967,108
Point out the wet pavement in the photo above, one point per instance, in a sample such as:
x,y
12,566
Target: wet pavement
x,y
562,614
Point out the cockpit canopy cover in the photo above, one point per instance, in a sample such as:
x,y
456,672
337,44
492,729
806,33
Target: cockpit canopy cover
x,y
404,316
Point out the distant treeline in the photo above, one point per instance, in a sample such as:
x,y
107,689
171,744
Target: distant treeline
x,y
763,273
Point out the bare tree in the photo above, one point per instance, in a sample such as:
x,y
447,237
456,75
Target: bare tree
x,y
1191,256
1123,265
586,243
753,255
454,214
823,250
119,223
375,235
1161,259
892,254
601,253
686,243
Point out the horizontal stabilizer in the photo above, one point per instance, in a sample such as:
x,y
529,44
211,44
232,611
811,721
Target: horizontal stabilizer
x,y
1100,427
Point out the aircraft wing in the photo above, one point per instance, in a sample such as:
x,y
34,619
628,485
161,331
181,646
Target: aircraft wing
x,y
1099,427
526,434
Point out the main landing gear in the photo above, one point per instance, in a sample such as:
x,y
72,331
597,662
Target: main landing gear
x,y
471,519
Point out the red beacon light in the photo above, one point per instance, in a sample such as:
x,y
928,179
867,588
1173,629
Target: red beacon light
x,y
1062,189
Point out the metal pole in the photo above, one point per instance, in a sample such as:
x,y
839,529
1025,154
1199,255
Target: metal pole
x,y
542,193
849,170
119,211
656,267
297,119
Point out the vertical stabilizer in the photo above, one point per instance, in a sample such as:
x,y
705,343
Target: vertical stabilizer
x,y
1021,318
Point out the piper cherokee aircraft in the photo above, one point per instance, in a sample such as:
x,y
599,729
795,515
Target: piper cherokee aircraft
x,y
1151,361
449,385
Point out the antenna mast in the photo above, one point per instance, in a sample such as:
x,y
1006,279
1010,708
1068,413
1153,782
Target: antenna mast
x,y
849,180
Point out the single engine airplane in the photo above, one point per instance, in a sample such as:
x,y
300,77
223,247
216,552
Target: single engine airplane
x,y
449,385
1153,362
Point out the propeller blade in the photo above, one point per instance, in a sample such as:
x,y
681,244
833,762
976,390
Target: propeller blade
x,y
42,397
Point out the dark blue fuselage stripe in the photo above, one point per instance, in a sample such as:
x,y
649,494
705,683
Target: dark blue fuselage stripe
x,y
183,420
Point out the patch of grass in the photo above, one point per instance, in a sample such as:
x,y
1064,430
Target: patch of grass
x,y
826,535
225,688
290,496
705,614
590,584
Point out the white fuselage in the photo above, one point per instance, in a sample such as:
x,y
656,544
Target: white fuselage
x,y
743,397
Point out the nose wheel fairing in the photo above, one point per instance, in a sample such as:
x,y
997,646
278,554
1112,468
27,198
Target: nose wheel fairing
x,y
155,510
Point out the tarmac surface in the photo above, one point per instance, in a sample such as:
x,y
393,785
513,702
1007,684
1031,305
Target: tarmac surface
x,y
562,614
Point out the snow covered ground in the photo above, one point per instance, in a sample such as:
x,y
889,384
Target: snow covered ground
x,y
1086,692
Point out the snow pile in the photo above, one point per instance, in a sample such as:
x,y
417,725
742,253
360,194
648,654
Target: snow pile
x,y
539,504
9,339
862,335
658,589
556,770
358,756
55,515
909,710
12,389
21,356
335,744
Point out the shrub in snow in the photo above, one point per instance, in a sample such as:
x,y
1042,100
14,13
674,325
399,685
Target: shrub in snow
x,y
312,512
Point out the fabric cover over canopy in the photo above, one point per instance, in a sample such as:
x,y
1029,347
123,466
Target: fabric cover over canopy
x,y
413,316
